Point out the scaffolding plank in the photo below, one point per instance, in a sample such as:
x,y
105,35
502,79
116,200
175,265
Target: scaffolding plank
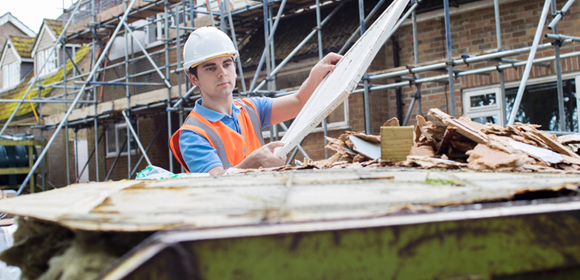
x,y
337,86
117,105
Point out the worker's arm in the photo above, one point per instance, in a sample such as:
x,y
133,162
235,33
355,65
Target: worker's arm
x,y
288,107
262,157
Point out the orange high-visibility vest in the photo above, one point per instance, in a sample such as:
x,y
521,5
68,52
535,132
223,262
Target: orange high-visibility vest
x,y
231,147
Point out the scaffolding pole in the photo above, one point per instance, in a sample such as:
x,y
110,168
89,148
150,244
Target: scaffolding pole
x,y
78,96
522,87
499,99
37,77
560,90
451,106
297,48
320,56
269,54
265,51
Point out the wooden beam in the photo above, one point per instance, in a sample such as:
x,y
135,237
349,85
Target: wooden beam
x,y
14,170
463,129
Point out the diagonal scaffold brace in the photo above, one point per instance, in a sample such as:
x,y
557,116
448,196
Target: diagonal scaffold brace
x,y
79,94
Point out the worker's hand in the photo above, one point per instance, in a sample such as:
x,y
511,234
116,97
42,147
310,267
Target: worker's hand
x,y
324,66
264,157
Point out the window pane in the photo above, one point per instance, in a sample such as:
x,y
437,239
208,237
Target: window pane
x,y
484,120
337,115
482,100
50,60
540,106
122,132
111,141
10,75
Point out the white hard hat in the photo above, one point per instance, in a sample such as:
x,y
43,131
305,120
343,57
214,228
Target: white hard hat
x,y
207,43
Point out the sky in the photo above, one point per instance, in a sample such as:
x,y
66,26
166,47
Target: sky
x,y
31,12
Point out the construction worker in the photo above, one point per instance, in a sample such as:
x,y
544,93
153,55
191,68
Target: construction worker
x,y
222,132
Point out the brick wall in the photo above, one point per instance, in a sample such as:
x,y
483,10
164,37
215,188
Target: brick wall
x,y
158,153
473,33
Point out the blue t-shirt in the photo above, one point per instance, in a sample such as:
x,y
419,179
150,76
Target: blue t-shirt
x,y
197,152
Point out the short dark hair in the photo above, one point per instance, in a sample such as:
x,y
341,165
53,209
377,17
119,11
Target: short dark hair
x,y
193,71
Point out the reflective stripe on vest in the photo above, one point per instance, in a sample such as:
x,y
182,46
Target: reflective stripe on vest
x,y
214,137
251,121
255,119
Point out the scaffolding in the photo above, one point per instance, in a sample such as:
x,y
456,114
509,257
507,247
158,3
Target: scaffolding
x,y
179,15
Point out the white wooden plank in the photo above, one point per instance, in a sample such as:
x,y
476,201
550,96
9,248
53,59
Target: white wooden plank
x,y
337,86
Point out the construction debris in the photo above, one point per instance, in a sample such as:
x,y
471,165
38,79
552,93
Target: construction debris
x,y
456,143
471,145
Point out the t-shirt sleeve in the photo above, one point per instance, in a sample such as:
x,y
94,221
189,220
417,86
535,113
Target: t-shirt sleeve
x,y
197,152
264,106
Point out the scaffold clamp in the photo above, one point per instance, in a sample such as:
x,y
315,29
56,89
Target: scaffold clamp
x,y
465,57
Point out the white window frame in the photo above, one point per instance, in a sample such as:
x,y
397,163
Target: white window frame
x,y
52,64
473,113
118,144
10,75
552,79
483,111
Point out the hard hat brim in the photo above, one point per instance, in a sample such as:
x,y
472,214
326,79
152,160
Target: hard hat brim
x,y
192,64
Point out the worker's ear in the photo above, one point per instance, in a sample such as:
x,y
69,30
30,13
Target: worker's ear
x,y
193,79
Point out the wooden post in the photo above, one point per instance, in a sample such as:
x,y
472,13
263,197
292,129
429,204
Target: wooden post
x,y
396,142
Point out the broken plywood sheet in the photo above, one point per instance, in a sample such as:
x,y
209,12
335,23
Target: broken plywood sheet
x,y
483,158
462,128
269,198
76,199
336,87
569,139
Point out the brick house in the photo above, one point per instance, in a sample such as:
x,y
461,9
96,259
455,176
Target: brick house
x,y
472,33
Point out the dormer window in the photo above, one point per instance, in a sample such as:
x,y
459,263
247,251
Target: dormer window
x,y
10,75
51,61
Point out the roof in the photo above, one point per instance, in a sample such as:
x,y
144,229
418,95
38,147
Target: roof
x,y
23,45
18,92
8,17
293,29
54,25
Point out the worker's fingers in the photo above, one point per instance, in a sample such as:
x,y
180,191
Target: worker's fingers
x,y
328,68
273,145
332,58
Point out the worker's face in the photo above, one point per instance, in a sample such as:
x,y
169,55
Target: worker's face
x,y
215,78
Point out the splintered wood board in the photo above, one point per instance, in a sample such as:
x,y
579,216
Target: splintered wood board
x,y
337,86
396,142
